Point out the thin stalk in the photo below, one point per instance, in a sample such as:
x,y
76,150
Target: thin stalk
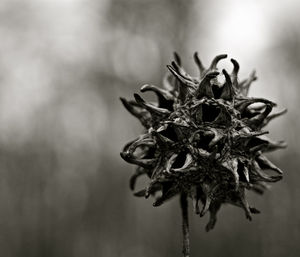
x,y
185,225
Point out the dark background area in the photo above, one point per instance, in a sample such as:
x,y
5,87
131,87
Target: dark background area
x,y
63,66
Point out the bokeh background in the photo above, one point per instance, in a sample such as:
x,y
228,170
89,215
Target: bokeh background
x,y
63,65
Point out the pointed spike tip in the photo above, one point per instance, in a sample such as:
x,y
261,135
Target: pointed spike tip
x,y
236,66
177,58
215,61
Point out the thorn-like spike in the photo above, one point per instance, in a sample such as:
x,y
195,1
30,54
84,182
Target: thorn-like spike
x,y
260,187
265,163
166,94
234,73
245,205
195,199
177,58
167,194
245,85
264,177
181,72
181,78
215,61
228,90
204,88
183,85
199,64
205,206
257,121
254,210
273,145
137,111
213,210
273,116
151,108
165,98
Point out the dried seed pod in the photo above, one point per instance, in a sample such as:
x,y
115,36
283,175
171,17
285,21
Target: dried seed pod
x,y
203,139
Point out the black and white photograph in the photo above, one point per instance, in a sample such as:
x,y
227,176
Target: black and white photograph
x,y
149,128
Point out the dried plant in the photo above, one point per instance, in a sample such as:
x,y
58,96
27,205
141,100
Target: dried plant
x,y
203,140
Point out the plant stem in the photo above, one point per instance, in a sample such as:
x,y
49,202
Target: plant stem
x,y
185,225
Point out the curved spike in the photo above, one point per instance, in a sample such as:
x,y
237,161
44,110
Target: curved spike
x,y
128,152
167,194
195,199
213,210
258,147
181,78
208,191
264,177
228,90
183,85
260,187
205,206
273,116
133,178
273,145
254,210
234,73
245,85
265,163
177,58
250,134
137,111
150,191
204,88
257,121
245,205
151,187
215,61
161,92
181,72
165,98
145,163
140,193
151,108
199,64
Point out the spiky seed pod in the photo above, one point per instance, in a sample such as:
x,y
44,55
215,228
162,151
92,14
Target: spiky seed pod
x,y
203,139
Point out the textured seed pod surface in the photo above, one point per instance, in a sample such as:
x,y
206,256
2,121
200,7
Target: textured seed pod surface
x,y
203,138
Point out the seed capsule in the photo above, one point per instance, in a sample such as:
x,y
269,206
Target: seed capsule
x,y
203,139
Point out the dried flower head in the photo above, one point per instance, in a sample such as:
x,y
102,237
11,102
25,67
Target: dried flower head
x,y
203,139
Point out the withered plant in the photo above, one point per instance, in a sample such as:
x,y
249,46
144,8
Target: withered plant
x,y
203,139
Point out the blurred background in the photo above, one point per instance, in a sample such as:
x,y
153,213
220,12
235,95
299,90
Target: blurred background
x,y
63,66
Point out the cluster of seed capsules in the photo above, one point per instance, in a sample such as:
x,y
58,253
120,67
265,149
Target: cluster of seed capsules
x,y
203,138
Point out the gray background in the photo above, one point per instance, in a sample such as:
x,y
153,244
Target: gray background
x,y
63,64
